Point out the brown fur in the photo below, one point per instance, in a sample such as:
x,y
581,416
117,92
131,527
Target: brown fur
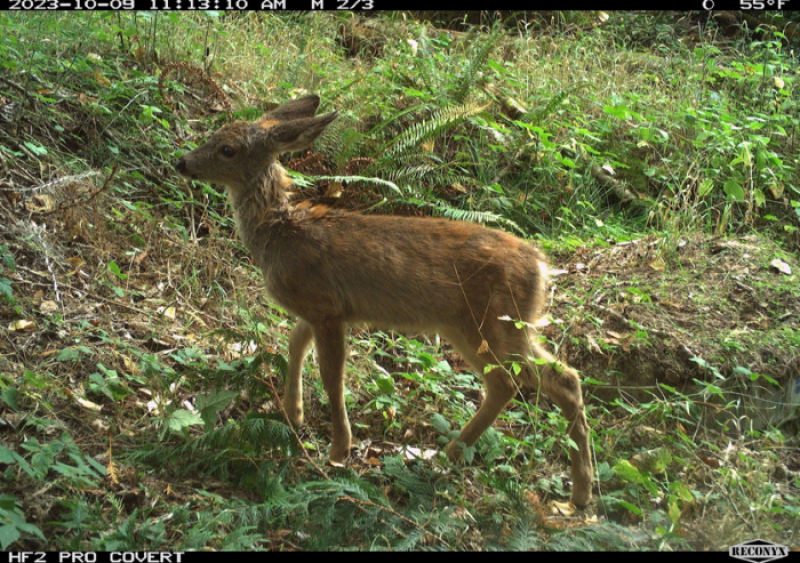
x,y
335,268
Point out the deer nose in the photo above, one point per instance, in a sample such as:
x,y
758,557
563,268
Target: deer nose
x,y
180,166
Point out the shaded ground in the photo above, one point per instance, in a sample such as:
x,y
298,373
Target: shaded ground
x,y
672,311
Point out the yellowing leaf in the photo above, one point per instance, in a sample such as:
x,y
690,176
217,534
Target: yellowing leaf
x,y
562,508
84,99
101,80
140,55
776,190
21,324
168,312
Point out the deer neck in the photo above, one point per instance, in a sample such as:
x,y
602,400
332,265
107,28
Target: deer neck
x,y
261,206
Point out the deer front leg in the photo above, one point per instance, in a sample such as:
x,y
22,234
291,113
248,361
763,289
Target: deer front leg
x,y
500,389
330,341
299,340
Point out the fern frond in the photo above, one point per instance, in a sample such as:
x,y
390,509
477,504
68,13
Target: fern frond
x,y
469,215
477,61
537,116
364,179
440,121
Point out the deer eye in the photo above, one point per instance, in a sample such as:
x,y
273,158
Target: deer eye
x,y
227,151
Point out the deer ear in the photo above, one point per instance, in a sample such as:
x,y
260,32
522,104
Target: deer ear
x,y
296,109
300,133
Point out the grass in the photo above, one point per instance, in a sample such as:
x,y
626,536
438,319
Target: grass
x,y
141,363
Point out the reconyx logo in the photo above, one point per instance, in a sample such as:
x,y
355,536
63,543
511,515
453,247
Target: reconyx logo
x,y
758,551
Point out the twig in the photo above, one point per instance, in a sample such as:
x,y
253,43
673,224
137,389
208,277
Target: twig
x,y
53,183
35,228
72,202
88,292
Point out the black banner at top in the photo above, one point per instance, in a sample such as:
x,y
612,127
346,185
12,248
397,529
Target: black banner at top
x,y
350,5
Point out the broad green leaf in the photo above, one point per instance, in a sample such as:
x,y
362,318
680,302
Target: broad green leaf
x,y
734,190
8,535
183,418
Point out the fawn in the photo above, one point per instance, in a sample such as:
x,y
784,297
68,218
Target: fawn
x,y
335,268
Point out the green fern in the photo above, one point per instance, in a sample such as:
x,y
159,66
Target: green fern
x,y
477,61
555,101
364,179
440,121
469,215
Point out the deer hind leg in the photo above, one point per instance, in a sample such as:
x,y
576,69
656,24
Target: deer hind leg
x,y
500,389
299,341
563,385
330,342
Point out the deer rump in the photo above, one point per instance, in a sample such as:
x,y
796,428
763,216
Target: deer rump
x,y
333,268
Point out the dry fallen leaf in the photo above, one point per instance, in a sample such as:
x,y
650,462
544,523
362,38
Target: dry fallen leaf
x,y
76,264
88,405
44,202
113,474
416,453
48,306
593,344
711,461
781,266
99,425
333,190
